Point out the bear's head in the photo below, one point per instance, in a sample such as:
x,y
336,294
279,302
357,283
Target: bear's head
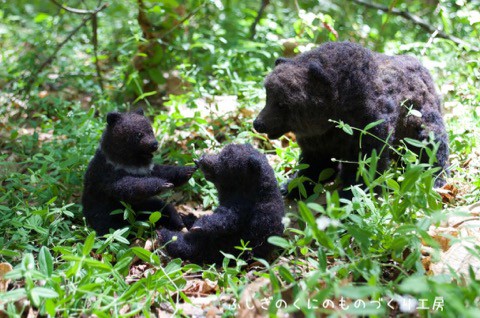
x,y
129,139
299,99
238,170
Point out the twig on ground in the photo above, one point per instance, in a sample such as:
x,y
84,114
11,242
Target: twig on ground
x,y
253,27
95,50
60,45
181,22
418,21
72,10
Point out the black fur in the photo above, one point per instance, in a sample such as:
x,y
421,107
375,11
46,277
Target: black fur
x,y
122,170
251,208
344,81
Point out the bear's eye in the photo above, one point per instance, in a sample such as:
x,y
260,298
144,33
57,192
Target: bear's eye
x,y
139,135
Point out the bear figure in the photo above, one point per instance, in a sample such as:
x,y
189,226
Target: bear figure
x,y
346,82
250,209
122,171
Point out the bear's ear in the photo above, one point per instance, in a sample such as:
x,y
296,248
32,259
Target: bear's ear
x,y
139,111
316,71
282,60
254,163
248,145
113,117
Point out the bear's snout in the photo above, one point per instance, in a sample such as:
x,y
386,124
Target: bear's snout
x,y
153,146
259,126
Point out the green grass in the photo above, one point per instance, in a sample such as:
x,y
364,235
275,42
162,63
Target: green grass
x,y
372,249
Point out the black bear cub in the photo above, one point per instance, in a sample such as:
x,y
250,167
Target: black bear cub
x,y
122,171
250,209
349,83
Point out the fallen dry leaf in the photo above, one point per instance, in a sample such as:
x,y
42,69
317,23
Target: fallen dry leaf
x,y
250,305
289,46
199,287
474,209
457,256
438,234
4,268
466,163
137,272
448,193
125,309
210,306
43,94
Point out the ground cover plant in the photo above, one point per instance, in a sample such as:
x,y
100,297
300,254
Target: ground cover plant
x,y
197,67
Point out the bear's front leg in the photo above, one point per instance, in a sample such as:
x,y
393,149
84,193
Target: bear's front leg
x,y
177,175
178,247
189,220
348,174
222,221
316,164
133,189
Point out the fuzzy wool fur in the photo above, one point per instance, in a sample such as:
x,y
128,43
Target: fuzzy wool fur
x,y
344,81
122,170
250,208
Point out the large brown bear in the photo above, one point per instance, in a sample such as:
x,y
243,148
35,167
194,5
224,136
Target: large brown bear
x,y
349,83
122,171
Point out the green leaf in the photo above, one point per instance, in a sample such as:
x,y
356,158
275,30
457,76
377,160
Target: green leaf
x,y
43,292
175,266
357,292
87,247
361,236
156,75
375,123
415,113
146,256
392,184
88,261
415,285
154,217
50,307
279,241
372,170
322,260
410,177
10,253
51,201
14,295
45,261
285,273
144,95
316,207
306,215
347,129
41,17
414,142
326,174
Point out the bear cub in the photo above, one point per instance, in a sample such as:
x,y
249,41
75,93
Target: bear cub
x,y
122,170
250,208
349,83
